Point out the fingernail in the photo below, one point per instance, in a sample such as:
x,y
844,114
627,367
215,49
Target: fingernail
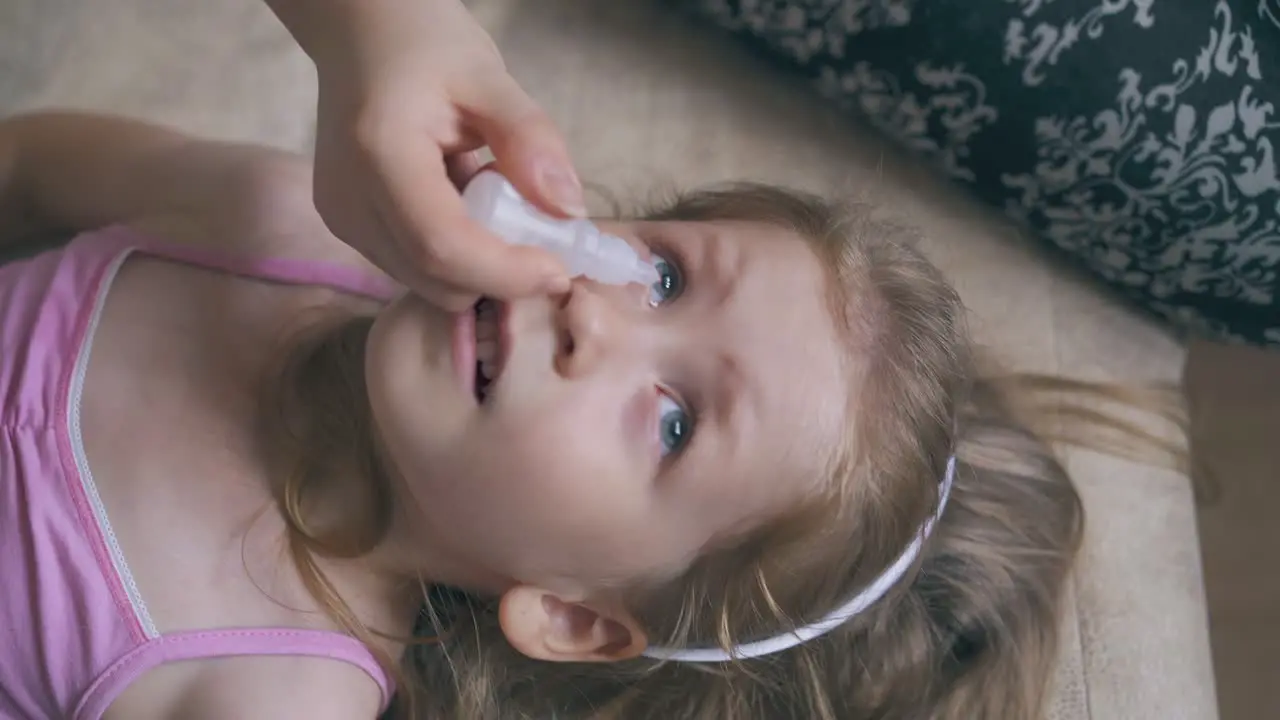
x,y
563,189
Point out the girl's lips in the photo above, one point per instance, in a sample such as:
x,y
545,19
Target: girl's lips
x,y
464,350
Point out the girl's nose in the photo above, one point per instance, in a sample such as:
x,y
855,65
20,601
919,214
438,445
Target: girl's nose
x,y
592,321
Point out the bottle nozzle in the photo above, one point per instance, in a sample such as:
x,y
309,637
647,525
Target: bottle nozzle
x,y
614,261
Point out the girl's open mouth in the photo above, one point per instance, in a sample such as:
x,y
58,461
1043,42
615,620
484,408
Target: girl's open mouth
x,y
491,345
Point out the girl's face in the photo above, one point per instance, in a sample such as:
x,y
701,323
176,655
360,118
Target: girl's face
x,y
624,427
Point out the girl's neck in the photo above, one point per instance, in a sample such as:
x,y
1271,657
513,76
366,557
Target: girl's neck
x,y
411,549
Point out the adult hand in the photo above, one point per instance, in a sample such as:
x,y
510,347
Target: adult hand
x,y
408,89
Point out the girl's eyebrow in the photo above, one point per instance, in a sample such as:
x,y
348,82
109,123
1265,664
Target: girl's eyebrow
x,y
731,385
716,258
726,261
721,264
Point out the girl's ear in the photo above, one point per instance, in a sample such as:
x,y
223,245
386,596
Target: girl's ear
x,y
544,626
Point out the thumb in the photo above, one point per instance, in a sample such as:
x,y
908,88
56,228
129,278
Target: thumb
x,y
528,147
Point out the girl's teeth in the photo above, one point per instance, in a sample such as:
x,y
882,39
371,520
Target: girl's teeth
x,y
487,338
486,321
486,349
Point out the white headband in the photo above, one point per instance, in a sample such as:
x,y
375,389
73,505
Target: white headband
x,y
831,620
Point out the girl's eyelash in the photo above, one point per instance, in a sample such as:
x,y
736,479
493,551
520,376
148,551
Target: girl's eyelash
x,y
679,399
667,250
672,255
676,397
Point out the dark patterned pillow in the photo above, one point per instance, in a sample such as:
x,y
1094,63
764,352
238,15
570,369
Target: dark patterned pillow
x,y
1139,137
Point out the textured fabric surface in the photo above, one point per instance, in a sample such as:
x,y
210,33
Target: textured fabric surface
x,y
1138,136
648,100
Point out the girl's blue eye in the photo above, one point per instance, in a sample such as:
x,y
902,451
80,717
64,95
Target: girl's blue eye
x,y
669,285
675,425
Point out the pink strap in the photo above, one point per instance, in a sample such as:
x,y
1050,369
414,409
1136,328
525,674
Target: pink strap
x,y
205,644
338,276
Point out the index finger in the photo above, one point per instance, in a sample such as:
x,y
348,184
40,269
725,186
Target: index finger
x,y
435,232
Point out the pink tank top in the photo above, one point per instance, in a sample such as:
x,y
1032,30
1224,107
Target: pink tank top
x,y
74,630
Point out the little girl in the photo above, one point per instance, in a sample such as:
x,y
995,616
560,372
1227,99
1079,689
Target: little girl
x,y
245,476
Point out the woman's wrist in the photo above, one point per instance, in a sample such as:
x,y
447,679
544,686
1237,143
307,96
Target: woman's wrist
x,y
321,27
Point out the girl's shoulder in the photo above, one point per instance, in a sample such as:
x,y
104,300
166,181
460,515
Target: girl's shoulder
x,y
250,211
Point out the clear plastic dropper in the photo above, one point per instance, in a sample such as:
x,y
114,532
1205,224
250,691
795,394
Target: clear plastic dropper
x,y
493,201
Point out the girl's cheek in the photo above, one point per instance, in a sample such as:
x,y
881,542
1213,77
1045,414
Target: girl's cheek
x,y
640,418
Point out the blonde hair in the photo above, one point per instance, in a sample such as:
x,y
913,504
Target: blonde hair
x,y
971,632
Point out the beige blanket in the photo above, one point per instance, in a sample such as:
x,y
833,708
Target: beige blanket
x,y
646,100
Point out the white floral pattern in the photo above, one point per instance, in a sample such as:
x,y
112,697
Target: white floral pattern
x,y
811,27
1270,10
938,121
1165,185
1046,42
1192,209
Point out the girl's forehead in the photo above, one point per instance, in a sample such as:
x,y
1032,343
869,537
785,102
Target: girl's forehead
x,y
791,385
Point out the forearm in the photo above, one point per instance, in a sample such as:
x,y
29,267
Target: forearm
x,y
319,26
341,35
66,171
